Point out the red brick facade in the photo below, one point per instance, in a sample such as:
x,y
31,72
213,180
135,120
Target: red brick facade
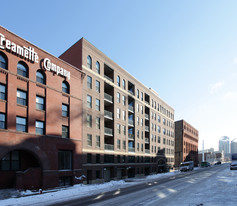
x,y
28,159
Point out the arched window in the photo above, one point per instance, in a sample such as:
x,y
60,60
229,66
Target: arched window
x,y
65,87
98,67
3,61
89,62
40,77
22,69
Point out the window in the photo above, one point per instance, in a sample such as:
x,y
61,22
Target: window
x,y
124,115
142,147
39,127
2,121
158,118
89,101
22,69
142,134
137,107
137,146
65,87
89,140
158,128
3,61
21,124
164,140
124,130
97,67
124,100
40,77
11,161
164,130
97,106
65,132
2,91
97,158
142,96
40,105
97,141
118,158
118,113
142,122
97,123
65,110
89,82
118,144
138,134
137,93
118,97
118,128
142,109
64,159
158,139
124,144
124,84
89,158
118,81
21,97
137,120
89,120
97,86
89,62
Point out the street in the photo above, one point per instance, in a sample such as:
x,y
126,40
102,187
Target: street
x,y
207,186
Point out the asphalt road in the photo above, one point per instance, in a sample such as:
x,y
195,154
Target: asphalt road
x,y
165,191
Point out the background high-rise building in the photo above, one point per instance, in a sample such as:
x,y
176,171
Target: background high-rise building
x,y
224,144
234,146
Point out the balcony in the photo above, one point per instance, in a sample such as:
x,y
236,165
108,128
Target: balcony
x,y
131,92
147,116
147,102
108,114
131,149
108,131
147,151
130,108
108,147
147,128
131,136
146,140
131,122
106,77
108,97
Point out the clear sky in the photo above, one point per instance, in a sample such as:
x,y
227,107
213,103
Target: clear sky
x,y
185,50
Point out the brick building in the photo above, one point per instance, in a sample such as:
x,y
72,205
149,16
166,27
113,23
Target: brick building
x,y
128,130
40,117
186,143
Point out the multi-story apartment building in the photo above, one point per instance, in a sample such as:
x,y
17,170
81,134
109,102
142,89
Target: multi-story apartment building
x,y
128,130
186,143
224,144
40,117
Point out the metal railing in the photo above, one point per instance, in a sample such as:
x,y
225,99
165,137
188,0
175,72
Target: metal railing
x,y
147,128
147,151
146,140
108,147
108,131
108,97
131,108
131,122
131,136
147,116
131,149
108,114
131,92
106,77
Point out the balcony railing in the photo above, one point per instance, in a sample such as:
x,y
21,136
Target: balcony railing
x,y
131,92
108,97
147,151
108,131
106,77
147,128
146,140
131,136
108,114
131,149
147,116
108,147
147,102
131,122
130,108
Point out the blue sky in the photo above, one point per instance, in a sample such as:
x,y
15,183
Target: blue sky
x,y
185,50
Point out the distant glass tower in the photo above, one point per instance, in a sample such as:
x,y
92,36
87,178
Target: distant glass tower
x,y
224,144
233,145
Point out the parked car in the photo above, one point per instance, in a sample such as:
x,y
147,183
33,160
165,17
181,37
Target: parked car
x,y
205,164
217,163
186,166
233,165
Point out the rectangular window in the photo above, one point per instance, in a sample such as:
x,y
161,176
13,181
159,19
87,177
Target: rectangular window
x,y
97,86
142,109
164,140
124,84
124,115
142,134
137,93
142,147
142,96
137,133
158,118
141,122
97,123
40,103
89,82
118,113
137,146
65,131
2,91
89,120
158,139
64,159
89,158
97,141
124,130
118,144
2,121
97,158
21,124
65,110
89,101
124,144
89,140
21,97
118,128
137,107
118,97
97,106
39,127
137,120
118,81
124,100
